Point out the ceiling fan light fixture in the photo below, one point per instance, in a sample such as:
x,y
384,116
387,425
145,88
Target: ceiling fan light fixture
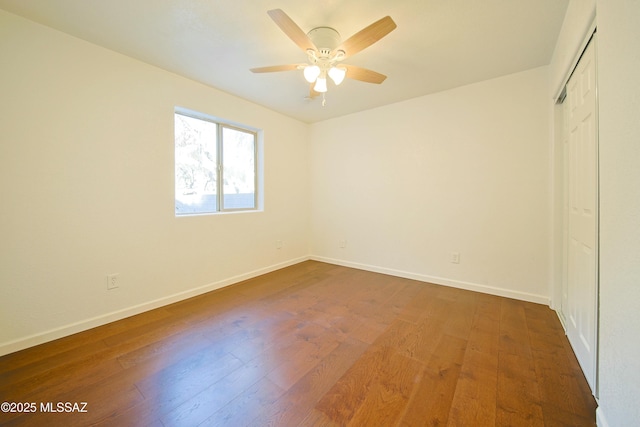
x,y
325,50
321,84
311,73
337,74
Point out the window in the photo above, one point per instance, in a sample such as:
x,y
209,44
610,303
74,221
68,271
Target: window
x,y
215,165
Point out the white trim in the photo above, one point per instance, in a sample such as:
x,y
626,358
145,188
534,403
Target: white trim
x,y
601,421
524,296
83,325
561,319
591,29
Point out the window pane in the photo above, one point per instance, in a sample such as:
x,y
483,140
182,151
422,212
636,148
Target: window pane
x,y
238,178
196,161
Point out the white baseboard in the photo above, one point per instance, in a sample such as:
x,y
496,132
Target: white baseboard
x,y
50,335
523,296
83,325
601,421
562,320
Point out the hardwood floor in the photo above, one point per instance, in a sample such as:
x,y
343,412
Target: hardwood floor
x,y
310,345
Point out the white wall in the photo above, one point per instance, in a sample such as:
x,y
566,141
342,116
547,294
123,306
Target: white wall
x,y
86,188
619,109
465,170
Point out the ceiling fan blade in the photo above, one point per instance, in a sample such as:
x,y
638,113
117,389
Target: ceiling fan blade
x,y
291,29
363,75
367,36
313,93
274,68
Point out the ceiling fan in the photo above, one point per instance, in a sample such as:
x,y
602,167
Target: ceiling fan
x,y
325,52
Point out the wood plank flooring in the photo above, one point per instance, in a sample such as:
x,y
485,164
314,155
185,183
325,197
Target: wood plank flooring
x,y
313,344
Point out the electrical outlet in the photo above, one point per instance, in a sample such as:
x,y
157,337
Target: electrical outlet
x,y
278,244
113,281
455,257
343,243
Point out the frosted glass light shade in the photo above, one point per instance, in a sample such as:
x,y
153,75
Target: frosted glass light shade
x,y
311,73
337,74
321,84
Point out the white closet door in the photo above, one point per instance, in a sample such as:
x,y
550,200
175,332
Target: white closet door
x,y
580,309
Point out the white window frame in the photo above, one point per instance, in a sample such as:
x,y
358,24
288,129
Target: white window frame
x,y
221,124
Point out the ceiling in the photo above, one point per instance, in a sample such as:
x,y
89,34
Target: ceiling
x,y
438,44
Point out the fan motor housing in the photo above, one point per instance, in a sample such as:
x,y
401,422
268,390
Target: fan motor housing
x,y
325,38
